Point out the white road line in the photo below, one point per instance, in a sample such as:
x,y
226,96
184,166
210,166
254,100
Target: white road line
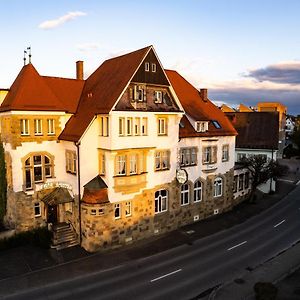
x,y
279,223
163,276
286,180
240,244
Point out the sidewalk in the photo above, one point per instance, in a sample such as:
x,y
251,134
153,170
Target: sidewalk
x,y
25,260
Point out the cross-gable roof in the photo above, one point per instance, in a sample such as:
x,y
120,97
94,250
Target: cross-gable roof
x,y
198,109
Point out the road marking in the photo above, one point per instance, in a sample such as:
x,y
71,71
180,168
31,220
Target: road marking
x,y
240,244
286,180
279,223
163,276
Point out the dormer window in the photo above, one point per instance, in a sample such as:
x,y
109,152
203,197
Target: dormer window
x,y
147,67
153,68
139,93
216,124
158,97
201,126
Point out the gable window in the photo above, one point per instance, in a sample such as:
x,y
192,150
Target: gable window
x,y
161,201
153,67
188,157
218,186
117,211
162,126
71,161
147,67
158,97
37,168
162,160
201,126
103,126
121,126
139,93
197,191
185,195
50,126
144,126
246,180
235,183
24,124
241,182
209,155
38,127
128,209
37,209
225,152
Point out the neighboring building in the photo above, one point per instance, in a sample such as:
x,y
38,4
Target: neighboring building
x,y
282,111
257,135
225,108
244,108
289,125
3,93
132,151
241,183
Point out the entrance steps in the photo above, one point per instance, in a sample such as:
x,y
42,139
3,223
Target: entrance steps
x,y
64,236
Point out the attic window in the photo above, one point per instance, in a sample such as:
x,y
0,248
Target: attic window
x,y
147,67
201,126
158,97
153,68
181,125
90,95
216,124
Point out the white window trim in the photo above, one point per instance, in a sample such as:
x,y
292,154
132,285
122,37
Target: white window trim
x,y
51,127
38,127
216,187
198,189
128,207
37,204
25,128
183,193
117,205
147,66
153,67
159,199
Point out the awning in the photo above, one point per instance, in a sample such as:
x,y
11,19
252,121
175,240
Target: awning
x,y
58,196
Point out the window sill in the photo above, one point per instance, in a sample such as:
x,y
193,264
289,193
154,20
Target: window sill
x,y
186,166
184,204
161,170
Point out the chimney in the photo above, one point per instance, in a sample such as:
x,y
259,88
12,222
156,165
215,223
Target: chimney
x,y
203,94
79,70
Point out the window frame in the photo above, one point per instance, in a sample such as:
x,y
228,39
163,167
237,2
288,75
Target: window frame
x,y
38,127
225,152
158,201
158,97
128,208
117,211
50,127
121,126
153,68
218,187
161,156
185,194
37,208
196,189
24,127
188,156
241,182
162,127
210,155
147,66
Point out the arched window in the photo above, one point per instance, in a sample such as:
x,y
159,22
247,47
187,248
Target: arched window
x,y
197,191
218,186
37,168
185,194
161,201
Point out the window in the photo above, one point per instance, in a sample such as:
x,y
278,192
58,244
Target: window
x,y
144,126
246,180
153,67
185,194
216,124
103,126
38,127
218,183
127,208
241,156
162,126
37,169
158,97
101,211
201,126
37,209
188,157
147,67
129,126
121,165
133,164
241,182
50,126
197,191
235,183
24,124
137,125
93,212
71,162
209,155
225,152
139,93
102,163
117,211
162,160
161,201
121,126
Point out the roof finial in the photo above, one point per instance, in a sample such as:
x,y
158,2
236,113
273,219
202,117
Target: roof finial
x,y
24,58
27,51
29,55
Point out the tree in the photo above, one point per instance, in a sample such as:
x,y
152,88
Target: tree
x,y
261,170
3,183
295,137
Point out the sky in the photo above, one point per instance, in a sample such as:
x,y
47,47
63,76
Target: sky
x,y
242,51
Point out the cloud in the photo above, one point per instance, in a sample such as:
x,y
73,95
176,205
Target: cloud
x,y
50,24
86,47
285,72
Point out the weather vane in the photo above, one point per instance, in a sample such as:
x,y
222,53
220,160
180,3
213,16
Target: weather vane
x,y
27,51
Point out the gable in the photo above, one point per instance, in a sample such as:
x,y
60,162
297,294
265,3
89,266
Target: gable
x,y
157,77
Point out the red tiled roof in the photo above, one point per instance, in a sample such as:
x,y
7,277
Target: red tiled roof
x,y
198,109
95,196
102,90
30,91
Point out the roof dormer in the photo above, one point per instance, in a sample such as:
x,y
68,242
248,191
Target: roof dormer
x,y
201,126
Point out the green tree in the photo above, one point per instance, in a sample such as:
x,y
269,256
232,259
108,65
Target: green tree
x,y
3,183
295,137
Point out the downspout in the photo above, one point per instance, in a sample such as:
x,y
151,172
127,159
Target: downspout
x,y
79,193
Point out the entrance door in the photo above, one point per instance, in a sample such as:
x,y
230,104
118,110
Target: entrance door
x,y
52,214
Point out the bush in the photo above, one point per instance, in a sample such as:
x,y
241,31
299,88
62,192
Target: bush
x,y
265,291
40,237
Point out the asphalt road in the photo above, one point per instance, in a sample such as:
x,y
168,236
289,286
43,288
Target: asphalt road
x,y
186,271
